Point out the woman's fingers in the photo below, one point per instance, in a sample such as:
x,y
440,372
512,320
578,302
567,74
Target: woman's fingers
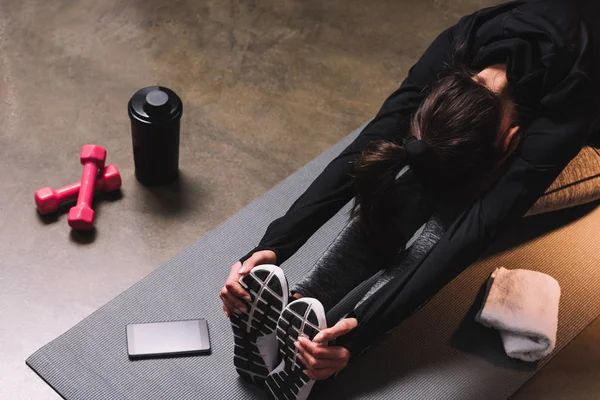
x,y
317,369
233,282
233,309
311,362
319,374
323,352
233,304
321,361
234,288
235,298
342,327
245,268
254,260
259,257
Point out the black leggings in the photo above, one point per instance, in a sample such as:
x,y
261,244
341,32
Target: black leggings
x,y
350,270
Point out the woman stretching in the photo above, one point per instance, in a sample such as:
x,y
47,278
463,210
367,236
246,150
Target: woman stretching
x,y
485,121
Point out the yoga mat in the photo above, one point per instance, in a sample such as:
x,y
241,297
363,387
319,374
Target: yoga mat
x,y
438,353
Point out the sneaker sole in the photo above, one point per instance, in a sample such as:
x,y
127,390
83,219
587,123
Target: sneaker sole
x,y
268,291
287,381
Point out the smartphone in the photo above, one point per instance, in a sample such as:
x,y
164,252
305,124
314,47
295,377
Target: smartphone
x,y
164,339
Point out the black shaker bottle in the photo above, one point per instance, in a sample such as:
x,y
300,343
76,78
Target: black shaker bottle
x,y
155,112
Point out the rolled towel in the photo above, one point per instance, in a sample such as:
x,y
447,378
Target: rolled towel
x,y
523,306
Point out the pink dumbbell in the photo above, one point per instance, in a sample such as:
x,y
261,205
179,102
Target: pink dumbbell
x,y
48,200
81,215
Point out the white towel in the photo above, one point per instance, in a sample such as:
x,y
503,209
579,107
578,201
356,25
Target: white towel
x,y
523,306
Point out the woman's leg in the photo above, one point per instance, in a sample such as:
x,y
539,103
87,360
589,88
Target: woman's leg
x,y
579,183
432,232
347,262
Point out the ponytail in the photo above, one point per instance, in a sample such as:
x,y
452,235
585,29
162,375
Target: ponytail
x,y
380,200
457,125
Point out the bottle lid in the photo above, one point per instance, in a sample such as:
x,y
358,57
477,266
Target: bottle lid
x,y
155,104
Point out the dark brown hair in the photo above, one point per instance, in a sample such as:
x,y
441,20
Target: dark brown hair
x,y
460,120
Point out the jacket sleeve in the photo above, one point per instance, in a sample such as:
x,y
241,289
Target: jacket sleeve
x,y
333,188
561,127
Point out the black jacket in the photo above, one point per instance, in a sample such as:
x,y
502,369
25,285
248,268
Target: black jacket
x,y
549,51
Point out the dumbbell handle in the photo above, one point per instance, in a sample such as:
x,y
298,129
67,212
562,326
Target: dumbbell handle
x,y
68,192
88,182
72,191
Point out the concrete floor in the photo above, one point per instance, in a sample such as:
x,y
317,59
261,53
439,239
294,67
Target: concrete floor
x,y
266,87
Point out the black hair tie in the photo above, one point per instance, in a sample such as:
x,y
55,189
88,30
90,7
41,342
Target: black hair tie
x,y
415,149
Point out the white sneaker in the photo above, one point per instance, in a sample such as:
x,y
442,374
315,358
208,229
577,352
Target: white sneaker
x,y
287,381
255,352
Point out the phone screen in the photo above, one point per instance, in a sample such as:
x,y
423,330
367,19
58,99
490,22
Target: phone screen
x,y
157,339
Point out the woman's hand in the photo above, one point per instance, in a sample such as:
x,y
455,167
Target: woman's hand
x,y
233,294
322,361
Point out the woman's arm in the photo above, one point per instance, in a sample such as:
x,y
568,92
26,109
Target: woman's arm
x,y
333,188
563,123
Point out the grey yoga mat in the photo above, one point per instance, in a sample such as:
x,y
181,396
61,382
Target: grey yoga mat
x,y
438,353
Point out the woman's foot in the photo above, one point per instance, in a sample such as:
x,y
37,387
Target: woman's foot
x,y
304,316
255,352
